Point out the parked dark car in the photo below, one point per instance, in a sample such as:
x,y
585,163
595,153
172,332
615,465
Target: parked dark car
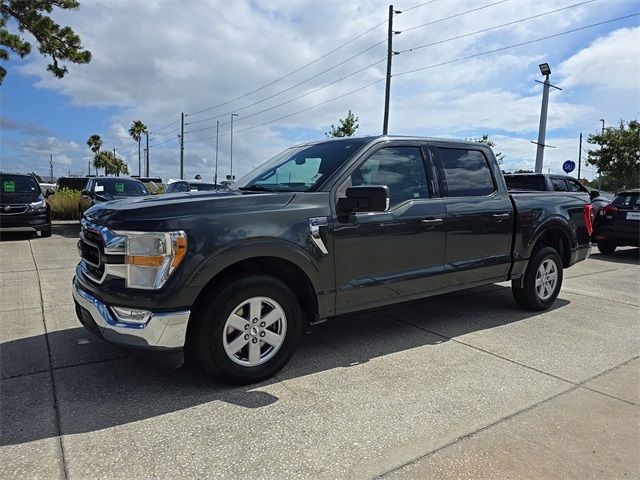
x,y
71,183
106,189
23,205
191,186
618,223
542,182
321,230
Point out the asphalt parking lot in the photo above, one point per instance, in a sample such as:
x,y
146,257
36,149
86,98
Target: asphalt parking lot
x,y
460,386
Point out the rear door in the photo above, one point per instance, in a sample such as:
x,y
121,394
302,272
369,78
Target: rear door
x,y
479,217
382,257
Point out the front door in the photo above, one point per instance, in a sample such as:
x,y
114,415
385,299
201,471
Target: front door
x,y
382,257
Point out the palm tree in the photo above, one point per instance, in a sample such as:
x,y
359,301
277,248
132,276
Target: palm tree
x,y
136,131
111,163
95,144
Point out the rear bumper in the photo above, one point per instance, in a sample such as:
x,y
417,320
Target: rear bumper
x,y
619,238
164,331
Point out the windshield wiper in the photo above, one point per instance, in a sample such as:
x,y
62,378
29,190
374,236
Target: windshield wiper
x,y
257,188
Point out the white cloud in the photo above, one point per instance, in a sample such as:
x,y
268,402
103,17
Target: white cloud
x,y
155,59
609,62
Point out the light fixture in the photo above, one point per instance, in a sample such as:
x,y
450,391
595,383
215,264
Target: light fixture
x,y
545,69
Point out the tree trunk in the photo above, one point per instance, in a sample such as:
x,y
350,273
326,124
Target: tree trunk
x,y
139,162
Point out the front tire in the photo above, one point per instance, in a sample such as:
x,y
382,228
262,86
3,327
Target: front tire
x,y
247,331
46,232
542,281
606,248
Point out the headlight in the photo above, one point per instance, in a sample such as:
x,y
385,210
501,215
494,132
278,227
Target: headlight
x,y
150,258
39,206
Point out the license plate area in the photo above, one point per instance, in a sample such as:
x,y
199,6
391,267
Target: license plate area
x,y
633,215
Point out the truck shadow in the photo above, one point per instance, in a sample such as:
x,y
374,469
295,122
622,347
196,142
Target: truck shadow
x,y
95,394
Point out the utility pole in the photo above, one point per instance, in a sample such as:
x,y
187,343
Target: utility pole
x,y
580,156
390,53
147,150
599,175
51,167
182,147
215,175
231,152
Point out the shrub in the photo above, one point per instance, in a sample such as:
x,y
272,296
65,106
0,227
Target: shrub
x,y
64,205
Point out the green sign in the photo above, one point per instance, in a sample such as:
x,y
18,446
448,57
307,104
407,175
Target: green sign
x,y
9,187
120,187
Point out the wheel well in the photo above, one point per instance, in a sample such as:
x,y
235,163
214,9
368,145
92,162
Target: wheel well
x,y
557,239
284,270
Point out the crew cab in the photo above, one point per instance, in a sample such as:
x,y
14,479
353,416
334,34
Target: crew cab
x,y
322,230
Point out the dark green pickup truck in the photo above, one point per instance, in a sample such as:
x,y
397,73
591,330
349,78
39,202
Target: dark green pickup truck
x,y
321,230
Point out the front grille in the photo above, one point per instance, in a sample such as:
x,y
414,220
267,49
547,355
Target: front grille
x,y
12,209
91,248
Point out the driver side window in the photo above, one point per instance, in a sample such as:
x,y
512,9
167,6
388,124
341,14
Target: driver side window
x,y
399,168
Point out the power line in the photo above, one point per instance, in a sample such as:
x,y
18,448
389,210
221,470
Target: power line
x,y
454,16
517,44
495,28
167,125
288,88
299,111
164,134
296,98
290,73
418,6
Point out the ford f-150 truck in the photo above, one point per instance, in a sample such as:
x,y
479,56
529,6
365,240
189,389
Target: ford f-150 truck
x,y
321,230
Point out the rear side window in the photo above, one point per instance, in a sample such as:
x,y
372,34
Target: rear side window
x,y
466,172
559,185
629,200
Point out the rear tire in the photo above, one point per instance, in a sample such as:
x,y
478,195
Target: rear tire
x,y
233,331
606,248
542,281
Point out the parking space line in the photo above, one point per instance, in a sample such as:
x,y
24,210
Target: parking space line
x,y
513,415
56,405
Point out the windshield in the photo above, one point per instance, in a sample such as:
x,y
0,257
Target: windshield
x,y
301,169
201,187
18,184
120,188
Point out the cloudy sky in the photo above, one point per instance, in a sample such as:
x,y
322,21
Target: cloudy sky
x,y
292,68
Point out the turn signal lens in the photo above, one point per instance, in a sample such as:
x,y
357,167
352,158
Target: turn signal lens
x,y
144,261
180,250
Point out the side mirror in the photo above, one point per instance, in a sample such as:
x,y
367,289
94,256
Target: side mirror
x,y
364,199
85,193
594,194
49,192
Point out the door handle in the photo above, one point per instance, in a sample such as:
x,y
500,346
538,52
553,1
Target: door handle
x,y
499,217
431,222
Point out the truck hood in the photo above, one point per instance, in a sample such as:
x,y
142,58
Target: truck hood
x,y
156,211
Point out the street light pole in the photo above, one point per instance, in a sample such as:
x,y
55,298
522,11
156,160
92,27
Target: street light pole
x,y
231,152
542,130
215,175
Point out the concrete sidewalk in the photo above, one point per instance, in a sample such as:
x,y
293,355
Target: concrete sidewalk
x,y
459,386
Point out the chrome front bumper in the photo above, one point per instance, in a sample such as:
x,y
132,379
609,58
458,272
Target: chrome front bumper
x,y
165,330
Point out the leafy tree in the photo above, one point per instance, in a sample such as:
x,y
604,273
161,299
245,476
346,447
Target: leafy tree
x,y
58,43
95,144
111,164
487,141
618,157
136,131
347,127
